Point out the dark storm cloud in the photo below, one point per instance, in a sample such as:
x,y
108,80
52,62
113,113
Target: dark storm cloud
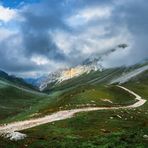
x,y
46,31
10,59
37,25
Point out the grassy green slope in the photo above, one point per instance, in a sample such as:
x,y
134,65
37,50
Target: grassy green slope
x,y
96,129
89,96
15,81
14,100
92,129
104,129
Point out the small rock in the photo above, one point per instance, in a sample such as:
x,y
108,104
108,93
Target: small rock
x,y
119,116
15,136
105,131
145,136
92,101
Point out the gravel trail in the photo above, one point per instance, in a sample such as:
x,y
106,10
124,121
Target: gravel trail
x,y
11,130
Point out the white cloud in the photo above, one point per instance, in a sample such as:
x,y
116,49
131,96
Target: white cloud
x,y
90,41
40,60
88,14
7,14
83,42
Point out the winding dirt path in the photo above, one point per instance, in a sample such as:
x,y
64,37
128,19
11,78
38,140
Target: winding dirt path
x,y
9,130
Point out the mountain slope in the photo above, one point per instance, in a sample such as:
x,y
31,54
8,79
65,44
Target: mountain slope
x,y
15,100
16,96
125,128
130,75
13,80
66,74
103,76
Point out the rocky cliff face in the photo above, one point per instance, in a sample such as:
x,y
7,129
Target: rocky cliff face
x,y
65,74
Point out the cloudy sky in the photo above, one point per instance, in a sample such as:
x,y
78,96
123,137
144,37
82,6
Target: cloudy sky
x,y
40,36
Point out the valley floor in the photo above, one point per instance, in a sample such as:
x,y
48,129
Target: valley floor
x,y
9,130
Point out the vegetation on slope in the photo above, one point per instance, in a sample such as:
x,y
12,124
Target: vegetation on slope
x,y
14,100
13,80
97,129
89,96
105,129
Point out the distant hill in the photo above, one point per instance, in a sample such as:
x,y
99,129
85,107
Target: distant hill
x,y
13,80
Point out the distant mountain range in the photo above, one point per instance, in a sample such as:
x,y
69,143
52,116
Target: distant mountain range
x,y
89,71
87,66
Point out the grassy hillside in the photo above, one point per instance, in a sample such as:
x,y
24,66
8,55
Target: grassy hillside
x,y
89,96
14,100
20,105
13,80
124,128
96,129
